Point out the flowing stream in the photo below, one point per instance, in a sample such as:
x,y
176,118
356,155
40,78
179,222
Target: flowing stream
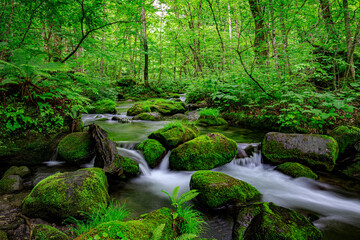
x,y
338,209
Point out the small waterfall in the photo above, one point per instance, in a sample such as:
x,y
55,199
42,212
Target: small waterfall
x,y
182,97
137,157
164,165
127,145
53,160
243,159
89,164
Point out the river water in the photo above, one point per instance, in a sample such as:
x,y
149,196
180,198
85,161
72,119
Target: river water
x,y
338,209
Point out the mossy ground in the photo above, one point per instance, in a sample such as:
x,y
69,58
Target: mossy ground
x,y
46,232
275,149
296,170
165,107
67,194
153,151
142,228
174,135
266,221
76,146
217,189
204,152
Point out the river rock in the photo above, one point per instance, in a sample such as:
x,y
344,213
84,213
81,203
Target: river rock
x,y
152,116
141,228
153,151
210,121
44,232
20,171
11,183
315,151
125,168
203,153
165,107
347,137
77,148
296,170
172,136
353,170
218,189
67,194
266,221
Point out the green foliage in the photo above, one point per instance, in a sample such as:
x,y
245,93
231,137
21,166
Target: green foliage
x,y
209,112
189,221
115,211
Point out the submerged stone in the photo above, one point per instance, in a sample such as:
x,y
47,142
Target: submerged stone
x,y
315,151
296,170
266,221
142,228
68,194
203,153
153,151
46,232
218,189
173,136
77,148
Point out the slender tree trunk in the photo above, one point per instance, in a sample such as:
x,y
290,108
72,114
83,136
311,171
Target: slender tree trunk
x,y
350,70
146,48
273,35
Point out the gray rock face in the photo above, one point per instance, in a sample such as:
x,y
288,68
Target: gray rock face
x,y
315,151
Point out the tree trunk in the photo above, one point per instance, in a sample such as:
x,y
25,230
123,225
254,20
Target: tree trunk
x,y
146,48
350,70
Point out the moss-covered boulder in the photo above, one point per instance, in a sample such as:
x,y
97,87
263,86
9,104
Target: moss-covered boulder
x,y
314,151
10,184
210,121
353,170
203,153
347,137
152,116
266,221
124,167
217,189
21,171
153,151
140,229
165,107
67,194
296,170
3,235
174,135
77,148
46,232
103,106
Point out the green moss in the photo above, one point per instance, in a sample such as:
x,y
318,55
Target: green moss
x,y
153,151
346,136
130,167
266,221
142,228
103,106
210,121
148,117
3,235
6,184
76,147
204,152
302,148
217,189
46,232
20,171
173,136
165,107
296,170
353,170
67,194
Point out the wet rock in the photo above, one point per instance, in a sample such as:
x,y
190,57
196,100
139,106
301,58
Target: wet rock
x,y
22,171
204,152
261,221
296,170
153,152
172,136
194,106
142,228
129,168
153,116
67,194
178,116
218,189
314,151
115,118
353,170
193,116
206,121
10,184
44,232
76,148
165,107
